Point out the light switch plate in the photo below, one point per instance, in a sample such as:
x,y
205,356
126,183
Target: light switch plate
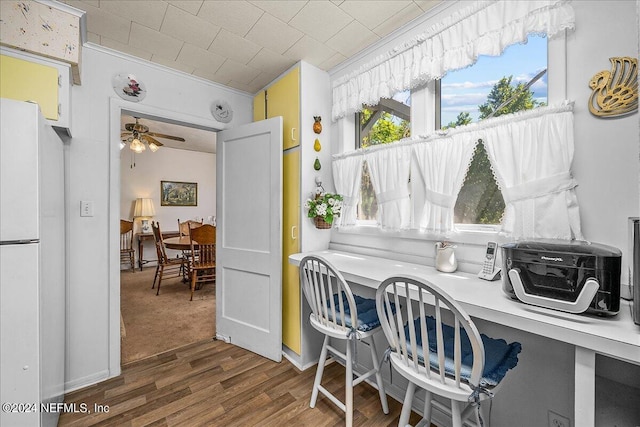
x,y
86,208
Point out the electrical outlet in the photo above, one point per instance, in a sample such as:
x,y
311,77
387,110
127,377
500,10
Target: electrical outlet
x,y
557,420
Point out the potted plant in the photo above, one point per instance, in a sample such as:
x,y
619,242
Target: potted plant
x,y
324,208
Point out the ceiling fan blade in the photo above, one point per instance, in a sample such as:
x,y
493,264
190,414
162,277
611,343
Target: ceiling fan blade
x,y
123,134
160,135
151,140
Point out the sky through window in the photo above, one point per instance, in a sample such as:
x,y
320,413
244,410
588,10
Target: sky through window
x,y
463,90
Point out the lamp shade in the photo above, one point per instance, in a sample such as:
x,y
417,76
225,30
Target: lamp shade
x,y
144,208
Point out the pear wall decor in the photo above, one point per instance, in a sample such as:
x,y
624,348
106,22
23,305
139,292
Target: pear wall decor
x,y
316,165
316,145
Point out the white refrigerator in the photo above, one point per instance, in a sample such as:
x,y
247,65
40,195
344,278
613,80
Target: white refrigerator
x,y
32,267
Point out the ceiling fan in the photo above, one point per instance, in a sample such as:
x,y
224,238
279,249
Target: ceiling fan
x,y
138,134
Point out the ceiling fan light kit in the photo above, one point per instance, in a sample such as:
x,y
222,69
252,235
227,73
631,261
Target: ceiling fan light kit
x,y
138,134
137,146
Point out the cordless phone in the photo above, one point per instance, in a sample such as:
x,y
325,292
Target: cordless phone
x,y
489,270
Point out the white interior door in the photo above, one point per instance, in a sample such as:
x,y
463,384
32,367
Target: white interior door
x,y
249,237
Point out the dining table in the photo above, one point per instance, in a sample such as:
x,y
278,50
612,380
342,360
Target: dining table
x,y
180,243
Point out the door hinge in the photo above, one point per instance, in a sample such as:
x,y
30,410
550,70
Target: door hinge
x,y
59,80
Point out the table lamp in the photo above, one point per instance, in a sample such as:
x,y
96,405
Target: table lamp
x,y
144,210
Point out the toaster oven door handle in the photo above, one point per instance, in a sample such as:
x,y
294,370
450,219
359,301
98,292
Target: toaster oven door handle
x,y
580,305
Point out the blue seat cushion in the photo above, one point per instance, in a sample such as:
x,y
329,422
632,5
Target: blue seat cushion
x,y
499,356
366,308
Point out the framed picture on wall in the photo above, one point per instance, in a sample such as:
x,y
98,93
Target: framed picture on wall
x,y
174,193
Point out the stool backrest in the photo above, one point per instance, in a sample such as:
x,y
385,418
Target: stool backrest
x,y
321,284
408,330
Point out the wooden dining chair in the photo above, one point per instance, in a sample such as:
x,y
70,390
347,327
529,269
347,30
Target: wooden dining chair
x,y
202,267
436,346
164,263
126,244
184,228
340,315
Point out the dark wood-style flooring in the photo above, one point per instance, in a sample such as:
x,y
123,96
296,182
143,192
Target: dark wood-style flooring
x,y
213,383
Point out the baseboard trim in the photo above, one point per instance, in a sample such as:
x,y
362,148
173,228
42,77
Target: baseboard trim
x,y
89,380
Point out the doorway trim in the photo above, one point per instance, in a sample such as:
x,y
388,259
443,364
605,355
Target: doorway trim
x,y
118,106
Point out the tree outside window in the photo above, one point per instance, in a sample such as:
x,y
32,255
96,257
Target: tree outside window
x,y
480,200
387,122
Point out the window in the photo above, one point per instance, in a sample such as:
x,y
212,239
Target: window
x,y
493,86
469,95
387,122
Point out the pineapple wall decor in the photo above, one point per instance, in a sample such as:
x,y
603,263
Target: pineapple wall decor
x,y
317,125
615,91
317,128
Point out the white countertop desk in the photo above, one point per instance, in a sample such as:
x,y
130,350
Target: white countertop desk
x,y
617,337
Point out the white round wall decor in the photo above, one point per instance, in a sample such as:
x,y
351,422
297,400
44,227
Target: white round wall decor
x,y
222,111
128,87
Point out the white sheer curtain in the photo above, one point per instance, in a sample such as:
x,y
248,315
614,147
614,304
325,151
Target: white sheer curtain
x,y
389,168
443,164
347,176
531,157
485,28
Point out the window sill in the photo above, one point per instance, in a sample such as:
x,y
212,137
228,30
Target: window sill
x,y
477,235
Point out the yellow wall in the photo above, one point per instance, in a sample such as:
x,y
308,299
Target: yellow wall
x,y
28,81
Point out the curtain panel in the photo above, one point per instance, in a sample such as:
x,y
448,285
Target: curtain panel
x,y
389,171
486,28
443,165
347,175
530,154
531,160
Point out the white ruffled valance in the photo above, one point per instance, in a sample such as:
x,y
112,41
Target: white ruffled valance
x,y
486,28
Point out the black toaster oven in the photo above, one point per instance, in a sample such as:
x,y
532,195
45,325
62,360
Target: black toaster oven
x,y
572,276
634,267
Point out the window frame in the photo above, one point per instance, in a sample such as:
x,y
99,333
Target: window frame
x,y
426,99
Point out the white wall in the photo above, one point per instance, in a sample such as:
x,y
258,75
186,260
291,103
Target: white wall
x,y
606,167
93,343
166,164
606,150
605,164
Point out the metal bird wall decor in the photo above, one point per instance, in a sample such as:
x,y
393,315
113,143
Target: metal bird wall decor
x,y
615,92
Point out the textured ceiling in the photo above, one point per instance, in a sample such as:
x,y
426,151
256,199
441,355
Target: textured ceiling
x,y
241,44
244,44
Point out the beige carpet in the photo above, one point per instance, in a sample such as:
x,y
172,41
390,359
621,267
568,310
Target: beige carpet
x,y
153,324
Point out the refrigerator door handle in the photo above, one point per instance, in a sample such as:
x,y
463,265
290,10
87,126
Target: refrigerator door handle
x,y
19,242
